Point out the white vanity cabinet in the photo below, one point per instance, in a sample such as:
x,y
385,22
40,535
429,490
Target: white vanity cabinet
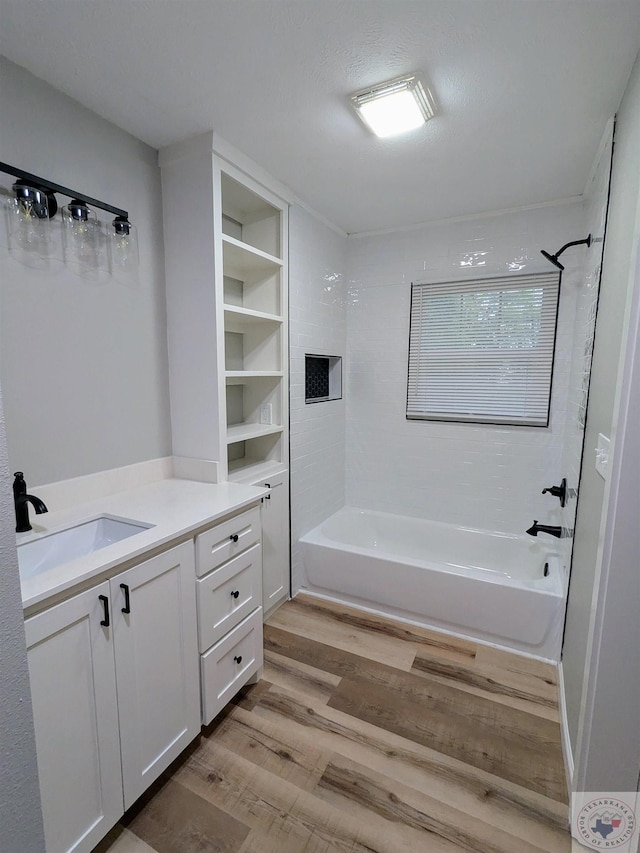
x,y
275,541
114,680
73,690
229,596
156,665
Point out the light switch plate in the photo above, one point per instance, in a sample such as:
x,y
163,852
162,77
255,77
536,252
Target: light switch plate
x,y
602,455
266,414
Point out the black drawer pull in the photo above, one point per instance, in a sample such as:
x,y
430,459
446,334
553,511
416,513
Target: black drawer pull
x,y
238,659
235,593
127,604
234,537
105,603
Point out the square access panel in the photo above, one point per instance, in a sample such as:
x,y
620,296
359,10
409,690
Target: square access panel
x,y
323,378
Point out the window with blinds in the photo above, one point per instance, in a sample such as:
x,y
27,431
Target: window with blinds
x,y
482,350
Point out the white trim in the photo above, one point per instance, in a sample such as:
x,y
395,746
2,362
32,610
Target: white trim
x,y
211,143
567,751
607,136
320,217
469,217
623,432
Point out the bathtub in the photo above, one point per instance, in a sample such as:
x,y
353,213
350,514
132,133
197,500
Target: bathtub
x,y
485,586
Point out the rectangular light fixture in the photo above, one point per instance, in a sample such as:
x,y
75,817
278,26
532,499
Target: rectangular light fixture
x,y
395,107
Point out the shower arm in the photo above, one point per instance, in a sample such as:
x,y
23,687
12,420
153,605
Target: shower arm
x,y
554,258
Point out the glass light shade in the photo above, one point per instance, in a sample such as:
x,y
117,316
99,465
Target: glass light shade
x,y
123,247
395,107
33,238
84,243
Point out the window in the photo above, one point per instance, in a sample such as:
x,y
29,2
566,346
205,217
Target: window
x,y
482,350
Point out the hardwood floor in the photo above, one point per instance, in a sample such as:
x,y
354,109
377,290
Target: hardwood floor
x,y
367,736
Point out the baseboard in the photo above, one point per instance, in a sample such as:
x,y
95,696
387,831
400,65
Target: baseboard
x,y
564,730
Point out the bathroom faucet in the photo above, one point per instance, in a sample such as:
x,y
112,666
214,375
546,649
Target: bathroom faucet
x,y
21,502
560,491
546,528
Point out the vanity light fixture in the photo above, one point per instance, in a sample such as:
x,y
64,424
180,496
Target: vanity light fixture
x,y
89,245
395,107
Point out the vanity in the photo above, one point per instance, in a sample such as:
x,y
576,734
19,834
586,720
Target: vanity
x,y
136,643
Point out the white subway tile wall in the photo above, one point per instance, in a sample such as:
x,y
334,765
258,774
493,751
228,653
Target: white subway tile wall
x,y
317,323
596,198
466,474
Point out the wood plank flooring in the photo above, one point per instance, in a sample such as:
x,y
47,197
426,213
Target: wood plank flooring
x,y
367,736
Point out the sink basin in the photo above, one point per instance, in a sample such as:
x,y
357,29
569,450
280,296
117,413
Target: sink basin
x,y
54,549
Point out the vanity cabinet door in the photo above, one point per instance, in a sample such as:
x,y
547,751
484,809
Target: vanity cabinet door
x,y
73,689
275,542
156,651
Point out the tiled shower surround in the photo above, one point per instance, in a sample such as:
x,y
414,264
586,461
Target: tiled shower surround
x,y
473,475
465,474
318,325
595,213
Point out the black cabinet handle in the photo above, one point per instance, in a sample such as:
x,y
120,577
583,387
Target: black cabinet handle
x,y
234,537
105,603
267,497
238,659
235,593
127,604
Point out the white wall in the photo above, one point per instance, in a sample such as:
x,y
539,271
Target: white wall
x,y
20,816
480,476
317,325
602,675
83,365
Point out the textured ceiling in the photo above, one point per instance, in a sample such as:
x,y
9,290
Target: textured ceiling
x,y
523,88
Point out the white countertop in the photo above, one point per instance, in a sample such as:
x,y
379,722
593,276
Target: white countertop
x,y
175,508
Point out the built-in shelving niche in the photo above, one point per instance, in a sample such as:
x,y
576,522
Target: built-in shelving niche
x,y
249,218
323,378
256,401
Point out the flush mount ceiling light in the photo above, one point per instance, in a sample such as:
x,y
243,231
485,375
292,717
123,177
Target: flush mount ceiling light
x,y
395,107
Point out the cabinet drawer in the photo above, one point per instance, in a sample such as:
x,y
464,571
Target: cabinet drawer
x,y
216,546
228,594
228,665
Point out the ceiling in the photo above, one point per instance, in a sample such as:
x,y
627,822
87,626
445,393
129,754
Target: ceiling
x,y
523,90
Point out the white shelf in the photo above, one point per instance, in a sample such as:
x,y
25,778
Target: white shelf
x,y
250,471
237,319
239,377
241,260
245,432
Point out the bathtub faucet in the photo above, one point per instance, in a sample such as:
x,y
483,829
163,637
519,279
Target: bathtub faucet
x,y
546,528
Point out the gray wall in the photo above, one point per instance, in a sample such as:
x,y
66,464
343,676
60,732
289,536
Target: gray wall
x,y
20,815
83,365
618,258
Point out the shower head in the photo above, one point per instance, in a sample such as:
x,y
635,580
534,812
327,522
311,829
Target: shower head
x,y
554,258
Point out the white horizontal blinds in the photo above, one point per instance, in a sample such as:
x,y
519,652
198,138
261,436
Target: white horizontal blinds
x,y
482,350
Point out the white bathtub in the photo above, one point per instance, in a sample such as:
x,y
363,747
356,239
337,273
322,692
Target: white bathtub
x,y
473,583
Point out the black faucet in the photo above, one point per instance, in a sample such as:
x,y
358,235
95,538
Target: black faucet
x,y
560,491
21,502
546,528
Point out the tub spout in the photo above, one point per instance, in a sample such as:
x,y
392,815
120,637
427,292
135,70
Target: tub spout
x,y
545,528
